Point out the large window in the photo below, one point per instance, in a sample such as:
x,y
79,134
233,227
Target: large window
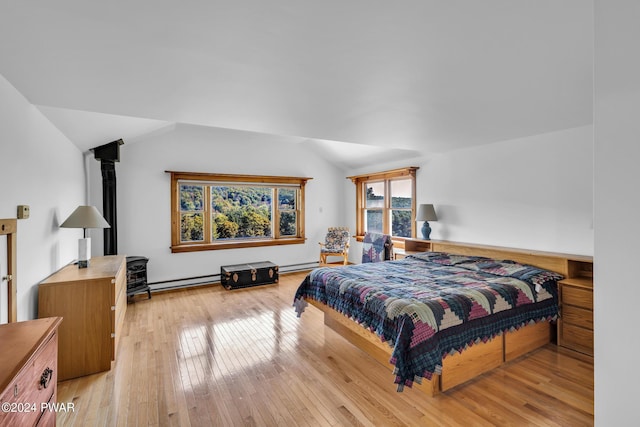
x,y
386,203
217,211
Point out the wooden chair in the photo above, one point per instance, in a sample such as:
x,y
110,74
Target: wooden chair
x,y
377,247
336,243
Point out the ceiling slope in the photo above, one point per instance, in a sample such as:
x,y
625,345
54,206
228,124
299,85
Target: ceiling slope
x,y
424,75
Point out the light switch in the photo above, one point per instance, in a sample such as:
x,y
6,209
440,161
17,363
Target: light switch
x,y
23,211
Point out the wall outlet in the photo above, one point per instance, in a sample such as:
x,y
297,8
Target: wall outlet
x,y
23,211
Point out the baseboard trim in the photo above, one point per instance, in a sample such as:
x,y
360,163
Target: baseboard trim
x,y
214,279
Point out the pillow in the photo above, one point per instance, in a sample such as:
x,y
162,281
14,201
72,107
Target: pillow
x,y
444,258
508,268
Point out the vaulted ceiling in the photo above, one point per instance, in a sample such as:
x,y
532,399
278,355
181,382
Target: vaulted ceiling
x,y
411,76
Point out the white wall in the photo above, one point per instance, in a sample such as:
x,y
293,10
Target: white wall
x,y
41,168
144,215
533,193
617,199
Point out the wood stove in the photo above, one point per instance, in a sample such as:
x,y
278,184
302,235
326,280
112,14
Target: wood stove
x,y
137,275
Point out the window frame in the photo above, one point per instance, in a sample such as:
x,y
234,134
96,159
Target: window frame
x,y
361,181
209,179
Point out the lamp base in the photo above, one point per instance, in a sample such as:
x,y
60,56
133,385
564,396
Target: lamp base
x,y
84,252
426,231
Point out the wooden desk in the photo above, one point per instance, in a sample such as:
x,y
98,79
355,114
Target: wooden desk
x,y
28,372
92,302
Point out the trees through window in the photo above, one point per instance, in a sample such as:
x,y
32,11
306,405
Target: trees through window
x,y
214,211
385,202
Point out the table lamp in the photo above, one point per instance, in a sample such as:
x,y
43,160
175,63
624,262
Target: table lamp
x,y
426,213
85,217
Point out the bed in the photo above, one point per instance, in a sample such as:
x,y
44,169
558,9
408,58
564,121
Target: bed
x,y
441,318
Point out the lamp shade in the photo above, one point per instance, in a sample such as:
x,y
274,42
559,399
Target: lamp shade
x,y
85,217
426,213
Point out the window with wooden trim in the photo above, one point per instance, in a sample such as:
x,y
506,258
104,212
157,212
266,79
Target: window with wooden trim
x,y
220,211
386,202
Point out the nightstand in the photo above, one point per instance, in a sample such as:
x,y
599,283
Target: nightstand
x,y
399,253
411,246
416,245
575,325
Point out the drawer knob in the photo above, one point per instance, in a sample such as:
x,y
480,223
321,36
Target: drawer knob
x,y
45,379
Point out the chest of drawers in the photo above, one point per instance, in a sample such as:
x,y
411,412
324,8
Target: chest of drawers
x,y
92,302
29,372
575,326
575,297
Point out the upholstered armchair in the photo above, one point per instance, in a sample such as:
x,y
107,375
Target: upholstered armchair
x,y
376,247
336,243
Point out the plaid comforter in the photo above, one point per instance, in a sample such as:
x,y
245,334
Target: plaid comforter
x,y
432,304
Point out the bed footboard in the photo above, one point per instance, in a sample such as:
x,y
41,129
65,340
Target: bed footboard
x,y
457,368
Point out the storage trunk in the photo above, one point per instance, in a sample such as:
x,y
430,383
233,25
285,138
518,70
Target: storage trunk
x,y
245,275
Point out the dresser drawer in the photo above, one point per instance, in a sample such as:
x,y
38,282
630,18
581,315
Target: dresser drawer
x,y
118,319
576,338
121,283
48,419
576,296
577,316
35,384
120,308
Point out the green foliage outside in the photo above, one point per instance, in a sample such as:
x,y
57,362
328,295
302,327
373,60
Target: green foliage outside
x,y
192,227
236,212
401,202
401,223
400,219
222,228
241,212
288,224
374,221
191,197
286,198
191,221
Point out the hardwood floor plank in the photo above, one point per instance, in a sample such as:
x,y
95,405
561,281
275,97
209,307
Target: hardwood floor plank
x,y
208,356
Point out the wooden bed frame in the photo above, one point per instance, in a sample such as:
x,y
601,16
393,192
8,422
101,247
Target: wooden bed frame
x,y
479,358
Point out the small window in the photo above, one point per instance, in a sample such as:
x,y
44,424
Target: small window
x,y
191,213
374,206
287,208
215,211
401,209
386,203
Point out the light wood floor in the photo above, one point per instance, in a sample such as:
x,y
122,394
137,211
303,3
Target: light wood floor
x,y
211,357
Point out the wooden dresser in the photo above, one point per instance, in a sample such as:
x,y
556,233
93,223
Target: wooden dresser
x,y
92,302
28,372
